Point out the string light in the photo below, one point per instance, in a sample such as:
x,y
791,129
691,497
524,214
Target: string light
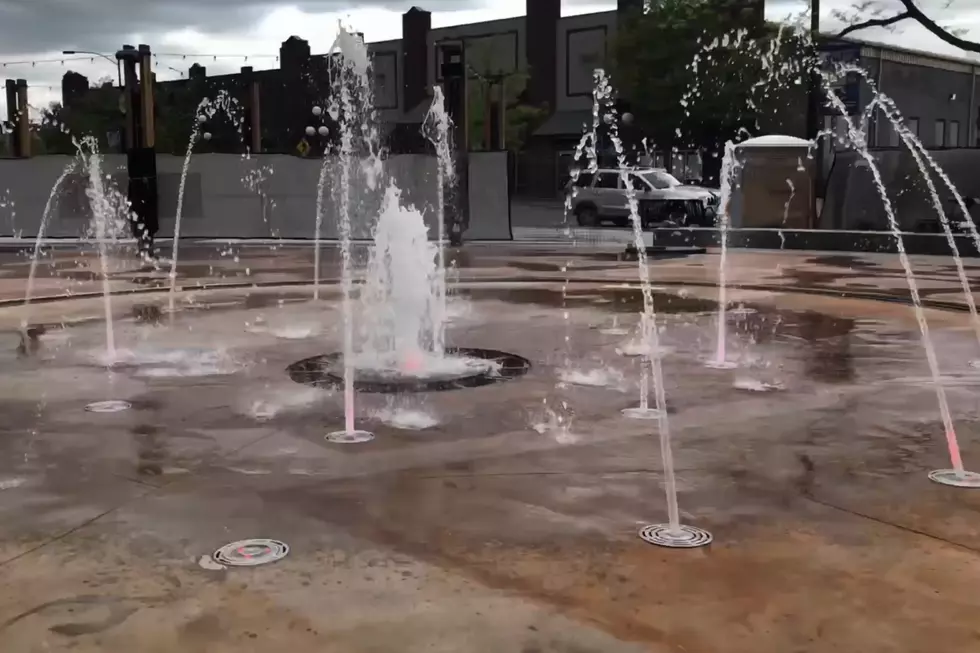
x,y
176,55
215,57
48,87
34,62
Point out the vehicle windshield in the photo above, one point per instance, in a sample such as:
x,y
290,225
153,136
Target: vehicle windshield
x,y
660,179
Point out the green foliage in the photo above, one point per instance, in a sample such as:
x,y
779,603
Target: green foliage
x,y
96,114
699,72
176,113
520,119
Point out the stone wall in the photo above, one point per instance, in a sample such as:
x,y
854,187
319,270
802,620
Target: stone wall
x,y
229,196
853,201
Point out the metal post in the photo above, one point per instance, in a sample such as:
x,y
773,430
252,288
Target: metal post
x,y
454,77
813,108
23,120
129,88
146,97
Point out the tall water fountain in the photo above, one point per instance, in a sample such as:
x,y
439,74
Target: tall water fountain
x,y
400,309
110,216
729,173
957,476
206,110
672,534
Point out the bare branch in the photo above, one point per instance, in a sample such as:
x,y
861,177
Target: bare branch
x,y
912,12
916,14
874,22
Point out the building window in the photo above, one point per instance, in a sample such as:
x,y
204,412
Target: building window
x,y
913,125
953,135
939,136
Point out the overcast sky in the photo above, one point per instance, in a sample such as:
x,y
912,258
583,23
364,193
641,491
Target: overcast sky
x,y
40,29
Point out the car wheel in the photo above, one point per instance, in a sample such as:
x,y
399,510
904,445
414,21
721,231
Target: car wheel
x,y
587,216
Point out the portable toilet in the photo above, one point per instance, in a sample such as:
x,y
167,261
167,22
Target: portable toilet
x,y
774,183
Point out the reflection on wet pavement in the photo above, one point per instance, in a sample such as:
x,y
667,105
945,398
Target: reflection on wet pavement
x,y
807,462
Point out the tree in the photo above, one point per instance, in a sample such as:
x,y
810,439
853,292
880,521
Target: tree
x,y
876,13
697,73
94,114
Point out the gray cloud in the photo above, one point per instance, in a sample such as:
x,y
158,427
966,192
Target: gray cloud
x,y
31,26
103,25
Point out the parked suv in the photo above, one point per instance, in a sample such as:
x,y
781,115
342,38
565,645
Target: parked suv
x,y
601,197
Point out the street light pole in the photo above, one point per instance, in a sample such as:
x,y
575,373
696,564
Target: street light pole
x,y
813,109
104,56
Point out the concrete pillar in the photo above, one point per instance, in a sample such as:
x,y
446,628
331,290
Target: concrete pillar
x,y
10,88
130,101
140,139
23,120
74,86
294,62
541,46
253,116
416,25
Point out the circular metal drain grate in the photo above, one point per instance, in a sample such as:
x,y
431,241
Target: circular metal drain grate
x,y
686,537
251,553
328,371
715,364
110,406
637,412
350,437
956,479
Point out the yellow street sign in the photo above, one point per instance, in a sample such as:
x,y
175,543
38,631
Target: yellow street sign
x,y
303,147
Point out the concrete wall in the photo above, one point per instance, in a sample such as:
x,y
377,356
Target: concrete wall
x,y
228,196
853,201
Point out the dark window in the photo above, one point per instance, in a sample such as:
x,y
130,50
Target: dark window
x,y
584,180
638,184
608,180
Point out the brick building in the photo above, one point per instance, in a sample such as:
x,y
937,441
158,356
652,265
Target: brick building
x,y
546,60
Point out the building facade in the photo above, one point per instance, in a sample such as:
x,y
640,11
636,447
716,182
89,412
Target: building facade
x,y
937,96
537,70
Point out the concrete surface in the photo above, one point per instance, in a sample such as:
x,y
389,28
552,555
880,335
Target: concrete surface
x,y
489,530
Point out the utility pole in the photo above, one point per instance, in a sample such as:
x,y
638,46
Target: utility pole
x,y
454,78
253,118
140,142
813,117
18,118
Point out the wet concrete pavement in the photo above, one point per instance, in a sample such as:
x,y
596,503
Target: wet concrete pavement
x,y
487,530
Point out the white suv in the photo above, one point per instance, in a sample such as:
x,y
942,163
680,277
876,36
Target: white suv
x,y
601,197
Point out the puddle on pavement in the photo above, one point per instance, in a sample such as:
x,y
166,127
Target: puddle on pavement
x,y
623,300
841,261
